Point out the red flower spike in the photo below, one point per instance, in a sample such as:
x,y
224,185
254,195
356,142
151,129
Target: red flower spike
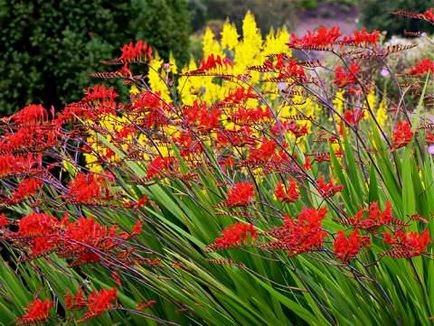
x,y
300,235
429,15
289,194
347,248
344,77
328,189
36,312
407,244
88,188
137,229
362,38
241,194
423,67
75,302
3,221
140,51
430,138
320,38
26,188
160,166
235,235
353,117
30,115
264,152
99,93
375,218
402,134
99,302
37,224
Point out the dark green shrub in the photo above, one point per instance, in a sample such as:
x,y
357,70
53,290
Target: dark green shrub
x,y
49,47
378,15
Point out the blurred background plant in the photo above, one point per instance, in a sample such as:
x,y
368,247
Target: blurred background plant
x,y
50,47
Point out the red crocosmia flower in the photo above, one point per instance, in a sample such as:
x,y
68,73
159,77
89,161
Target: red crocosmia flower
x,y
19,164
30,115
26,188
430,138
328,189
264,152
289,194
240,95
345,77
347,248
146,100
160,166
353,117
142,201
227,162
241,194
137,229
37,224
429,15
213,62
375,218
407,244
88,188
100,92
3,221
299,235
423,67
362,38
140,51
37,311
247,116
321,37
307,165
99,302
298,130
402,134
77,301
235,235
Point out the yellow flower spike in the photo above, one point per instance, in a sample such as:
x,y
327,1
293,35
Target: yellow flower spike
x,y
339,101
209,44
247,52
172,62
372,100
155,76
229,36
381,114
134,90
276,42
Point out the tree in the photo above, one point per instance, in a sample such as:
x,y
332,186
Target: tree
x,y
50,46
165,25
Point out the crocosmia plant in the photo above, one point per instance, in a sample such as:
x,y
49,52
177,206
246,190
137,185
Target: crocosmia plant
x,y
251,187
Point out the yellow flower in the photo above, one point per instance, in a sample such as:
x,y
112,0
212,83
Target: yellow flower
x,y
339,101
276,42
156,77
248,50
381,114
229,36
209,44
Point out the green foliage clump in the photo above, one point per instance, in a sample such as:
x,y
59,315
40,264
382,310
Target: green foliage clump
x,y
378,15
50,47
